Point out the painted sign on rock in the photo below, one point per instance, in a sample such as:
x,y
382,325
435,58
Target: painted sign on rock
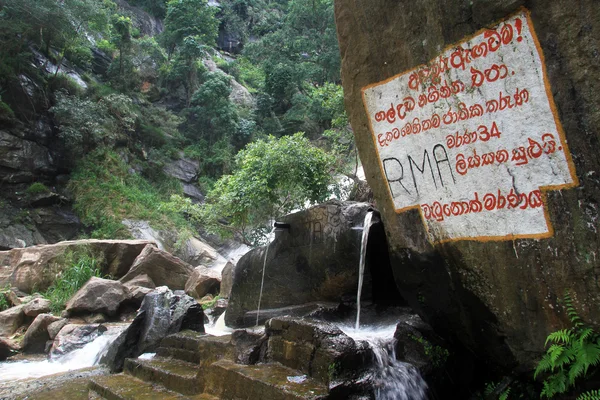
x,y
472,138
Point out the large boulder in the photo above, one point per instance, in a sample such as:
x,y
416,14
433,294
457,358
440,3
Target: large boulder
x,y
74,336
11,319
203,281
493,280
315,259
162,312
163,268
7,349
36,267
226,280
98,295
36,307
37,335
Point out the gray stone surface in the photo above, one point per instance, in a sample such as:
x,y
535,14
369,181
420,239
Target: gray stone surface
x,y
98,296
203,281
499,298
37,335
11,319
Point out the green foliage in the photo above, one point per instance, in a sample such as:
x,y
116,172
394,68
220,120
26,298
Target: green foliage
x,y
36,188
106,193
6,113
490,387
208,304
570,355
189,18
64,83
271,178
437,354
81,267
590,395
4,303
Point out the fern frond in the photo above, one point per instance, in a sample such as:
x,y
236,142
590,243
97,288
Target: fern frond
x,y
505,394
572,312
555,384
544,365
590,395
565,336
586,334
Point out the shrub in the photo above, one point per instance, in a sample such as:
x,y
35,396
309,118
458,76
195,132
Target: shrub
x,y
6,113
4,304
82,266
36,188
571,353
63,82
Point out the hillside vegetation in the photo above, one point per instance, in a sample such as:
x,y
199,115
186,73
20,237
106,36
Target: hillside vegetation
x,y
128,87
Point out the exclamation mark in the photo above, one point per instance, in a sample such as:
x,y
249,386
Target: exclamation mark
x,y
519,26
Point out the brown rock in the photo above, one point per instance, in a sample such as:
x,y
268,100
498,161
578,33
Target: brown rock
x,y
202,282
37,335
36,307
56,326
98,296
36,266
11,320
7,348
163,268
142,280
499,298
226,280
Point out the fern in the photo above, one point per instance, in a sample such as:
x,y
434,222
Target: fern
x,y
570,355
590,395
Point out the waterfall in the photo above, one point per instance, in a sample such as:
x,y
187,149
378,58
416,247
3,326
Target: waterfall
x,y
262,281
86,356
392,379
361,265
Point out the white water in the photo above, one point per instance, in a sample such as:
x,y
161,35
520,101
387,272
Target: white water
x,y
392,379
361,264
218,328
87,356
270,237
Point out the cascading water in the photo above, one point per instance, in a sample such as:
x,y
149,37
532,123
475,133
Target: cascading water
x,y
361,265
262,281
392,379
87,356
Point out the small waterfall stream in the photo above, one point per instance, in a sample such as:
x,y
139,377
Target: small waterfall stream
x,y
87,356
361,265
262,281
392,379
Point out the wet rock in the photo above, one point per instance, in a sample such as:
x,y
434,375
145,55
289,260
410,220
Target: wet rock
x,y
36,267
162,267
316,259
226,280
312,347
72,337
6,349
202,282
98,296
250,347
37,335
186,313
23,160
162,312
184,169
36,307
196,252
11,319
57,223
193,192
136,295
19,236
56,326
142,280
46,198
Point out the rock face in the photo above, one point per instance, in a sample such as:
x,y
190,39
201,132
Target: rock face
x,y
226,280
163,268
316,259
98,296
36,267
500,298
202,282
11,320
72,337
162,312
36,307
37,335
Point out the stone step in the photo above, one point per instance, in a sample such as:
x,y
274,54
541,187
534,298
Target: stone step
x,y
177,375
197,348
229,380
126,387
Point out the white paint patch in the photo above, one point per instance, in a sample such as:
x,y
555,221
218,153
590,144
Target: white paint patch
x,y
472,138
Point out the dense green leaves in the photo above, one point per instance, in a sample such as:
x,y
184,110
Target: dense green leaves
x,y
272,177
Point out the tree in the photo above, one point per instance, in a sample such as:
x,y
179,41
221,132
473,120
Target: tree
x,y
272,178
189,18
